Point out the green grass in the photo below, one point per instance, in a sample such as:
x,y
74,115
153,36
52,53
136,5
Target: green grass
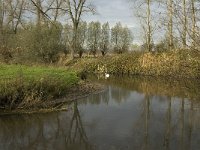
x,y
28,87
9,71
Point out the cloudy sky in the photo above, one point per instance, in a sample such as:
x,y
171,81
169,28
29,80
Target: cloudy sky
x,y
113,11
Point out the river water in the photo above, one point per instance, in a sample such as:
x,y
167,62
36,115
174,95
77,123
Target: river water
x,y
132,113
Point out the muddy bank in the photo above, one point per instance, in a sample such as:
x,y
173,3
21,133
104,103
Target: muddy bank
x,y
84,89
81,90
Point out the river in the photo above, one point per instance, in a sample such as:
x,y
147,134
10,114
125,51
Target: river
x,y
131,113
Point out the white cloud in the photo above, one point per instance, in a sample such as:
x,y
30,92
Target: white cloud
x,y
113,11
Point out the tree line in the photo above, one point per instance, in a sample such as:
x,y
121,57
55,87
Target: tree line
x,y
33,28
176,20
94,36
40,29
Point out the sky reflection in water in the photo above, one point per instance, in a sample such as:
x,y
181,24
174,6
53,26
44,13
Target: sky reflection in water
x,y
131,114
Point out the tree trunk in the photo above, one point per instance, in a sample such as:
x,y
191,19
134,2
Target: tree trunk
x,y
1,20
75,30
170,24
103,53
38,3
193,24
149,25
184,25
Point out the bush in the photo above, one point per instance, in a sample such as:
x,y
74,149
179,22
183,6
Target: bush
x,y
35,44
178,63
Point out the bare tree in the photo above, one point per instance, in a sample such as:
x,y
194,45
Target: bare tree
x,y
2,14
170,23
115,37
81,38
127,38
121,38
94,36
184,36
193,23
105,38
75,10
56,7
41,9
144,13
149,34
12,11
39,14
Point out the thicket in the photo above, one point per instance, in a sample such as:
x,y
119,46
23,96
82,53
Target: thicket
x,y
49,41
177,63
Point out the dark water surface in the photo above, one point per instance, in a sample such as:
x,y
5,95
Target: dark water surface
x,y
132,113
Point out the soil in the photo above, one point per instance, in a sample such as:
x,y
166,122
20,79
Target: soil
x,y
82,90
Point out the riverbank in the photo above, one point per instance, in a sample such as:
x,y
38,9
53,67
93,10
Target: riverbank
x,y
81,90
176,64
26,89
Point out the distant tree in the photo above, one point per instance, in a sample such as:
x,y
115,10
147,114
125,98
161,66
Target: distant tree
x,y
121,38
170,9
149,26
185,21
126,38
94,37
105,38
2,15
116,37
194,22
81,38
75,9
67,37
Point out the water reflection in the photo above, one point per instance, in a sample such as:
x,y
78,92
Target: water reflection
x,y
128,115
44,131
183,88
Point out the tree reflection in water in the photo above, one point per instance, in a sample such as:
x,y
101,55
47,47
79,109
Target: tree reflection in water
x,y
76,133
167,135
130,114
50,131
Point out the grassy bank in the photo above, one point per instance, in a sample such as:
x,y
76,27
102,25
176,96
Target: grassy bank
x,y
180,63
23,87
